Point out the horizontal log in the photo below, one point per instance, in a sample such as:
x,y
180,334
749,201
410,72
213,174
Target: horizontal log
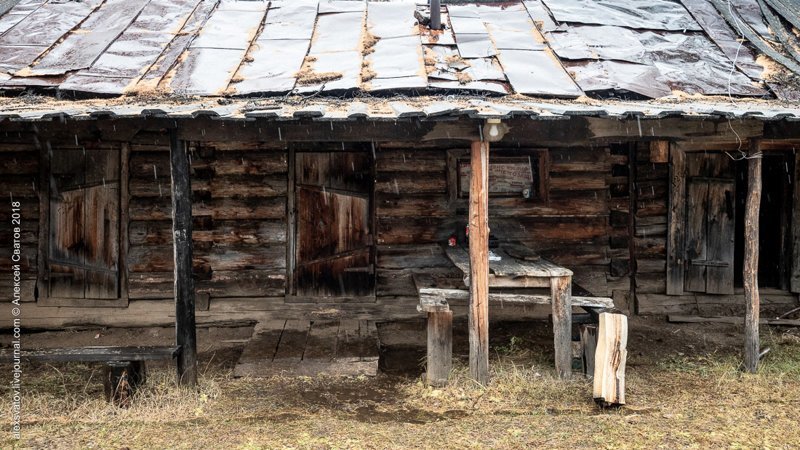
x,y
416,161
217,187
218,209
152,164
393,205
397,231
19,185
19,163
229,232
409,183
160,258
578,181
412,257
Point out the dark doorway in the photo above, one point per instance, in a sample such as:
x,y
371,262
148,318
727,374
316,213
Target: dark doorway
x,y
334,252
777,168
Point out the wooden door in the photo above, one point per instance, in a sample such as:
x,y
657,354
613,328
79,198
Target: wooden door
x,y
83,254
334,243
710,235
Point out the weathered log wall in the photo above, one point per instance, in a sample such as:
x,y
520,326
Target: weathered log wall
x,y
239,215
240,229
19,182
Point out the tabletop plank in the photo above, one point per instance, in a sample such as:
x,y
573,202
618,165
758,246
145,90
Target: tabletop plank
x,y
509,267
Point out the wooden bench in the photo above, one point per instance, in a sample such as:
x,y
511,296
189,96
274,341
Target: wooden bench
x,y
124,366
608,323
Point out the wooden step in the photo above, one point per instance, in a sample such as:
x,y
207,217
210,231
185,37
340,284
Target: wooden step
x,y
310,348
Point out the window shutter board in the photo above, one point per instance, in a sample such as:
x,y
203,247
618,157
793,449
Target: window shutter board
x,y
676,222
794,279
721,218
696,235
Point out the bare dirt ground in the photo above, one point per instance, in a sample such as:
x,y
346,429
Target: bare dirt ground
x,y
683,391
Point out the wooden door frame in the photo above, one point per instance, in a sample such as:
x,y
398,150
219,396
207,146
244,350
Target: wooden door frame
x,y
291,229
676,217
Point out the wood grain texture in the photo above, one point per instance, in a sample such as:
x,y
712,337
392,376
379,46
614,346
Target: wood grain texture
x,y
440,348
610,359
750,270
479,263
185,331
676,220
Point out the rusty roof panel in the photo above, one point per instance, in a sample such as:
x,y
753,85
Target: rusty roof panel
x,y
82,47
641,14
721,33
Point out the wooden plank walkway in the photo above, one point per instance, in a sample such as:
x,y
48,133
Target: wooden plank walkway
x,y
309,348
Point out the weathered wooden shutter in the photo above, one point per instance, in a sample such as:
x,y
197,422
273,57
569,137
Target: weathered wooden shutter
x,y
710,235
83,255
334,241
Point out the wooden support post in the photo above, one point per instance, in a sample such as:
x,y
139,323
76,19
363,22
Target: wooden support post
x,y
479,263
440,347
609,360
588,348
185,333
561,291
750,272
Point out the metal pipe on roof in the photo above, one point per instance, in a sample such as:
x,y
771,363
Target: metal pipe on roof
x,y
436,15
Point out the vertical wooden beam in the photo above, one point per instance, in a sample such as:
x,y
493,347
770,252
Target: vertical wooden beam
x,y
43,269
440,347
750,272
676,230
185,333
124,218
479,263
794,278
633,202
561,291
291,226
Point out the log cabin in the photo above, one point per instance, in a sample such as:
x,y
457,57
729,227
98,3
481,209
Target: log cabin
x,y
306,160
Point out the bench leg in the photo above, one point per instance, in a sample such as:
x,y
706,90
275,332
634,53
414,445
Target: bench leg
x,y
588,348
440,347
120,380
561,291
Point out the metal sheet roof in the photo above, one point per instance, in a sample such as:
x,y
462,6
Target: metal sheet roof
x,y
540,48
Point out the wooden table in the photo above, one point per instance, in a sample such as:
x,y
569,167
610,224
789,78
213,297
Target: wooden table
x,y
529,272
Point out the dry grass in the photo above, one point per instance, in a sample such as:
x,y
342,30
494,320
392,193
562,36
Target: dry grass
x,y
677,399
